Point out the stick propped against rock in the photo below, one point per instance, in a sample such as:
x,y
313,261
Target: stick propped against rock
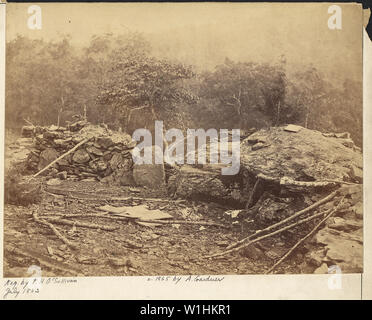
x,y
304,238
62,156
290,218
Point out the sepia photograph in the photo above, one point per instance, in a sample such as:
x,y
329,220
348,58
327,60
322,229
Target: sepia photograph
x,y
194,139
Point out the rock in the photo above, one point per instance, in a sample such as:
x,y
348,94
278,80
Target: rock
x,y
25,142
119,262
78,125
358,210
323,269
105,142
63,162
349,252
342,247
270,210
81,156
328,235
315,258
343,135
28,131
345,224
107,155
306,155
53,182
253,253
63,247
51,135
95,151
222,243
149,175
356,174
62,175
198,184
258,146
101,165
46,157
62,143
117,161
292,128
348,143
86,260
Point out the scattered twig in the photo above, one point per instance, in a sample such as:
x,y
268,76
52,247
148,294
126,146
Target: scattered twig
x,y
235,249
304,238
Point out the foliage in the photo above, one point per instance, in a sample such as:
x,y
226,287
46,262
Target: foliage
x,y
119,82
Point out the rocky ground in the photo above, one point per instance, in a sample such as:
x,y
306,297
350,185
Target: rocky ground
x,y
283,172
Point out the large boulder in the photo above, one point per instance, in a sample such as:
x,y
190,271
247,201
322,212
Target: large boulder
x,y
305,155
206,184
149,175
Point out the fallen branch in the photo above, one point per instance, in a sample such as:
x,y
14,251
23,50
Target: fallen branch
x,y
62,156
201,223
304,238
235,249
81,224
54,229
93,196
290,218
115,217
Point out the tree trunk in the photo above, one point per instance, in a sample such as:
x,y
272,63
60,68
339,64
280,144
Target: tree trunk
x,y
155,116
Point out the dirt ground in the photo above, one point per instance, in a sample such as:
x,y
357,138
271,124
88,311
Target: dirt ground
x,y
132,249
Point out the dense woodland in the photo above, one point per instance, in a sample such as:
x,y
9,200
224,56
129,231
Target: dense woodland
x,y
118,81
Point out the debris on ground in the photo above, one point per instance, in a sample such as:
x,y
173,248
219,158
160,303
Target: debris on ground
x,y
296,206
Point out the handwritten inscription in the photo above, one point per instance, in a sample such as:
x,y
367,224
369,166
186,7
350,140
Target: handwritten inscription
x,y
179,279
13,289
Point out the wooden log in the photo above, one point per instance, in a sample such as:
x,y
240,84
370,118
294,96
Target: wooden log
x,y
289,182
93,196
61,157
201,223
304,238
81,224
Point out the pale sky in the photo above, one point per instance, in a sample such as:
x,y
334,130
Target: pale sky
x,y
204,34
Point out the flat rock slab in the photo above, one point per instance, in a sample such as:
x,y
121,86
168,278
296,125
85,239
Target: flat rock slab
x,y
343,249
306,155
292,128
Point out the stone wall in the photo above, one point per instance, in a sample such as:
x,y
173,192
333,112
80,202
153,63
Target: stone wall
x,y
105,157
